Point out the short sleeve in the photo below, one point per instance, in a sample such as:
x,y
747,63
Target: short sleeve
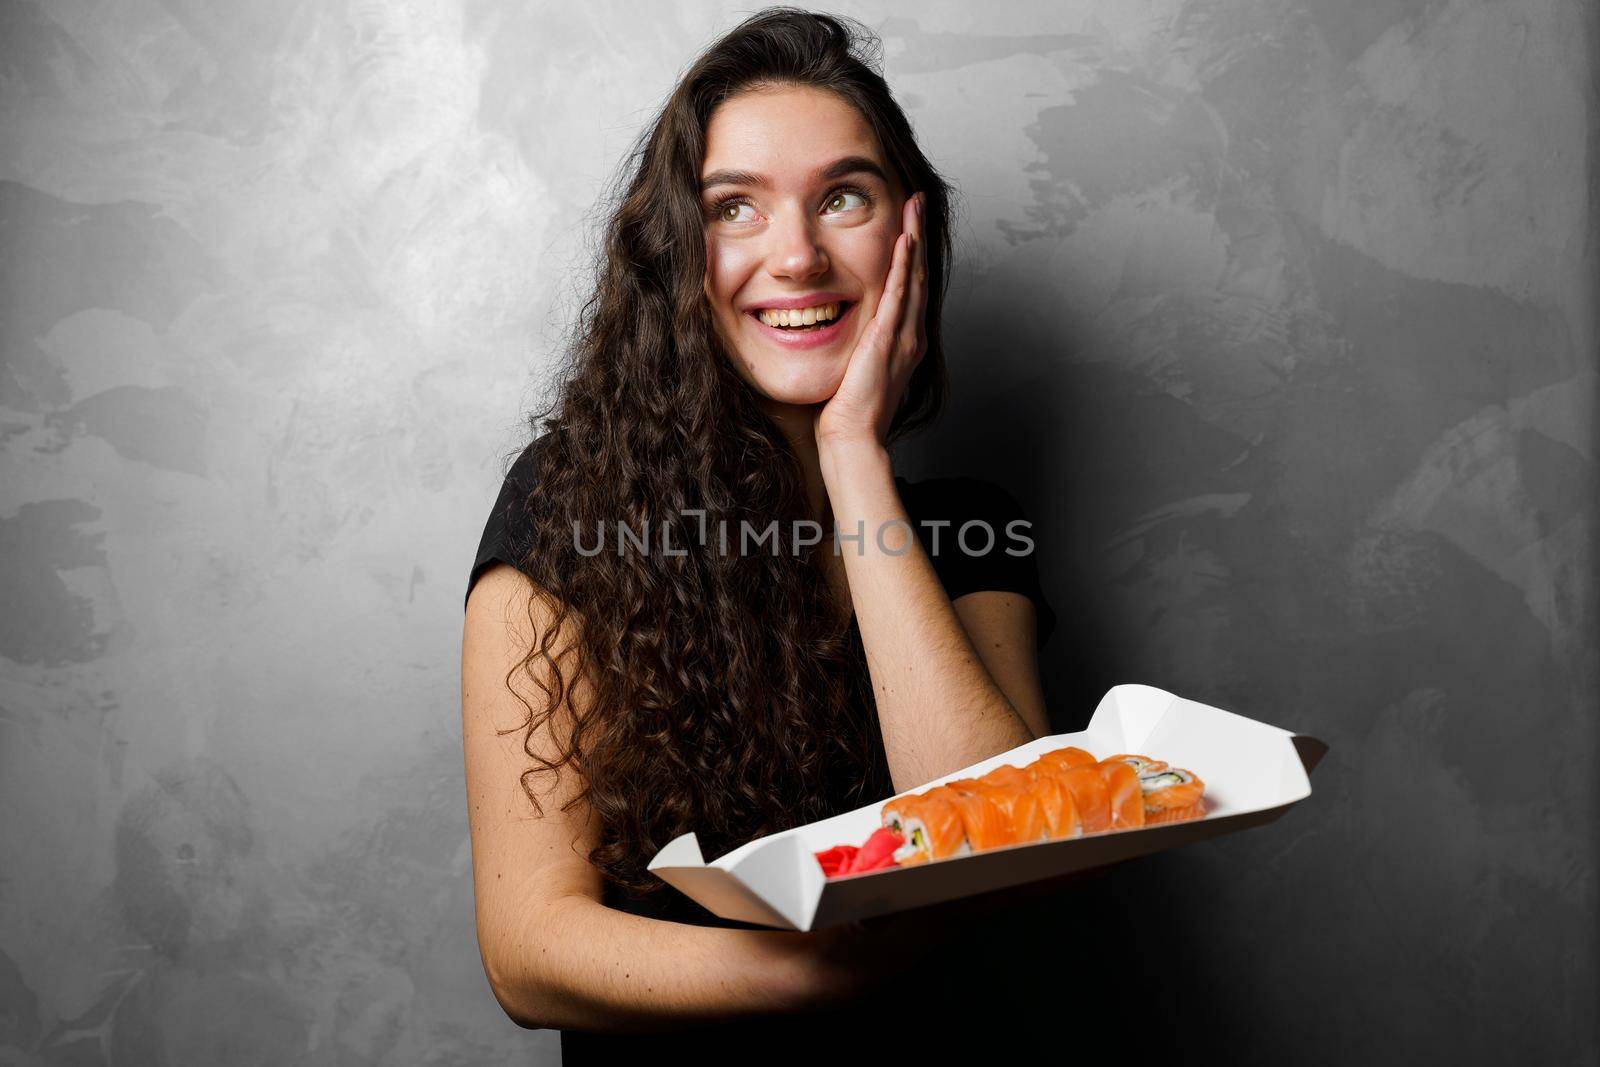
x,y
505,533
978,537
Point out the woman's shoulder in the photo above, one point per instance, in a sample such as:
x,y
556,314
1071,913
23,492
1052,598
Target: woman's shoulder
x,y
504,537
523,471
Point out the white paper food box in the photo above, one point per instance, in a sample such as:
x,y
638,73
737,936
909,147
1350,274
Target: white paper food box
x,y
1253,773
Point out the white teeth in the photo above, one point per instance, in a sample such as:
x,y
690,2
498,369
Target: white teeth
x,y
799,316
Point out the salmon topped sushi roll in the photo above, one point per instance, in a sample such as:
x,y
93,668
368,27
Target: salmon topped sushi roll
x,y
1124,794
1064,793
1172,795
1197,810
1062,759
986,823
942,792
1090,795
933,829
1142,765
1007,775
1057,805
1017,802
894,812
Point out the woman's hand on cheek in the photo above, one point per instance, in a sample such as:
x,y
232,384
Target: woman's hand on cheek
x,y
889,349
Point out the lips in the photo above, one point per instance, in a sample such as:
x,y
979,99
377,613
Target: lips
x,y
815,337
809,300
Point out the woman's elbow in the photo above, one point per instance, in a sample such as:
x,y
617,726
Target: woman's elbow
x,y
521,1005
519,991
525,1021
518,962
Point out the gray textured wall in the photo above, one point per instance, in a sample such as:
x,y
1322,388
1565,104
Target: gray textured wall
x,y
1287,306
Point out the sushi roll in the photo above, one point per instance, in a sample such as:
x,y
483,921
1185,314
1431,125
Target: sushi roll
x,y
932,827
986,823
1064,793
1007,775
1142,765
1059,808
1089,795
1016,802
1062,759
895,811
1197,810
1124,793
1172,795
1017,779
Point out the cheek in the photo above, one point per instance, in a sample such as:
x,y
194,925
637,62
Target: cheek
x,y
870,253
874,248
727,266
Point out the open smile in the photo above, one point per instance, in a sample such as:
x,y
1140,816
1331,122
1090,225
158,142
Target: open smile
x,y
803,336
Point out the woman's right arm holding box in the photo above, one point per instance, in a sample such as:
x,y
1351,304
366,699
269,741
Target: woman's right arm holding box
x,y
555,956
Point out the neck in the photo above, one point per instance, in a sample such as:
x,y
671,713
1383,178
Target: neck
x,y
798,422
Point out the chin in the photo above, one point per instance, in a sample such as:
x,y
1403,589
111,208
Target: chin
x,y
799,385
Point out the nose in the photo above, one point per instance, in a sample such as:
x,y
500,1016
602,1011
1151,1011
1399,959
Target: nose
x,y
795,251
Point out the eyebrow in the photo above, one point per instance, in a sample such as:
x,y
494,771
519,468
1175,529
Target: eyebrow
x,y
837,169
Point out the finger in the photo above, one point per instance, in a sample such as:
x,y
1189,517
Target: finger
x,y
886,320
921,276
913,327
908,333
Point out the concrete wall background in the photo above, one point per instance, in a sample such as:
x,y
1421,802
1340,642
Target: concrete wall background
x,y
1286,307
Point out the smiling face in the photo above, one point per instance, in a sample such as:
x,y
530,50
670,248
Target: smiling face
x,y
802,214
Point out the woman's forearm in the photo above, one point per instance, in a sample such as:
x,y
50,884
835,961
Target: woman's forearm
x,y
584,966
938,706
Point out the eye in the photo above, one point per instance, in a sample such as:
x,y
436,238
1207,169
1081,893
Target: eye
x,y
840,200
728,210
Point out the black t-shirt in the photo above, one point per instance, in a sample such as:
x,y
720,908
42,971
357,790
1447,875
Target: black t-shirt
x,y
966,558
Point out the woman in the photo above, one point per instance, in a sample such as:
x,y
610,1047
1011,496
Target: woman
x,y
765,322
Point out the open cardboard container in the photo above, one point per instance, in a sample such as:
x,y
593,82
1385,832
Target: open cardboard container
x,y
1253,774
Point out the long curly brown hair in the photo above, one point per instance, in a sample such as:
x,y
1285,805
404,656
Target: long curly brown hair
x,y
727,695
